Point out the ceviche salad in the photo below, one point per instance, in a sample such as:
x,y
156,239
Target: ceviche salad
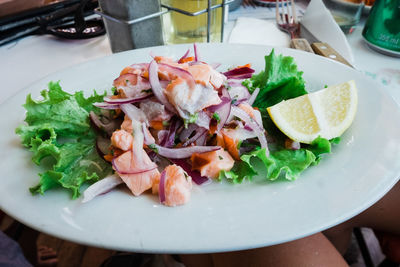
x,y
170,124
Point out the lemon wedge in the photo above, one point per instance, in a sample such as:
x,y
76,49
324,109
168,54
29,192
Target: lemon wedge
x,y
326,113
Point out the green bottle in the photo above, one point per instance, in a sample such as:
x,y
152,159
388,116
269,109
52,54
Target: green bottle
x,y
382,29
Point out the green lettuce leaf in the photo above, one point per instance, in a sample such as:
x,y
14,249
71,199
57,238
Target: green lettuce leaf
x,y
280,80
281,162
58,130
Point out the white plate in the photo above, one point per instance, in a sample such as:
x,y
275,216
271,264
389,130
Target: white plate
x,y
219,217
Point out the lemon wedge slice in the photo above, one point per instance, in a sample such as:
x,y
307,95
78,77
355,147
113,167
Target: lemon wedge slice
x,y
326,113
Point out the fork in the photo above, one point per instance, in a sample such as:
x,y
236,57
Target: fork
x,y
287,22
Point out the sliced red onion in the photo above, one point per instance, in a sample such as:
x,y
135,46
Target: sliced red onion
x,y
162,136
117,101
156,86
161,186
196,53
183,152
223,109
120,170
258,130
177,72
169,139
100,187
104,105
187,132
199,132
148,139
238,91
201,141
196,176
215,65
203,120
133,112
137,116
239,73
254,96
184,56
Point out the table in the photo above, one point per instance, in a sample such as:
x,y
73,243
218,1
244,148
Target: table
x,y
34,57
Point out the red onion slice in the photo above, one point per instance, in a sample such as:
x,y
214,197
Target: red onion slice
x,y
201,141
100,187
203,120
258,130
156,86
254,96
196,176
215,65
223,109
184,56
104,105
199,132
187,132
178,72
169,139
239,73
183,152
134,113
196,53
128,100
148,138
161,186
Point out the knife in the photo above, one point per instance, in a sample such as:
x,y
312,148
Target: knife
x,y
317,47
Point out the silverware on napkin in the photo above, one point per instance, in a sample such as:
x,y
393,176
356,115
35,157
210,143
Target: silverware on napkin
x,y
321,48
286,20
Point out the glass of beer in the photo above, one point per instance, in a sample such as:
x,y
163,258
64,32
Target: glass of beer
x,y
180,28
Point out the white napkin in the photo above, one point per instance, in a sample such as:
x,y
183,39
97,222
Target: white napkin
x,y
258,31
319,21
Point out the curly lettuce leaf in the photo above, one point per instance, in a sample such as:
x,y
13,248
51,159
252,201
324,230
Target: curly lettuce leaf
x,y
58,129
281,162
280,80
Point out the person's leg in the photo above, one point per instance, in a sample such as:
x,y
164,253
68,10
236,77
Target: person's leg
x,y
313,250
383,216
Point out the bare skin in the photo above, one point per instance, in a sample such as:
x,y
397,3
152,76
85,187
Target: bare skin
x,y
382,216
313,250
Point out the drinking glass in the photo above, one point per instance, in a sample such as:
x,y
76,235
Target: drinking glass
x,y
346,13
181,28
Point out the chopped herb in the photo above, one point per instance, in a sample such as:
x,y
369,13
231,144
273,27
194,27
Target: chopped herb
x,y
153,147
220,158
146,91
239,144
165,123
216,117
192,119
233,101
114,90
249,85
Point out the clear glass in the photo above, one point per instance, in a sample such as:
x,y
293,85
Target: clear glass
x,y
346,13
179,28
